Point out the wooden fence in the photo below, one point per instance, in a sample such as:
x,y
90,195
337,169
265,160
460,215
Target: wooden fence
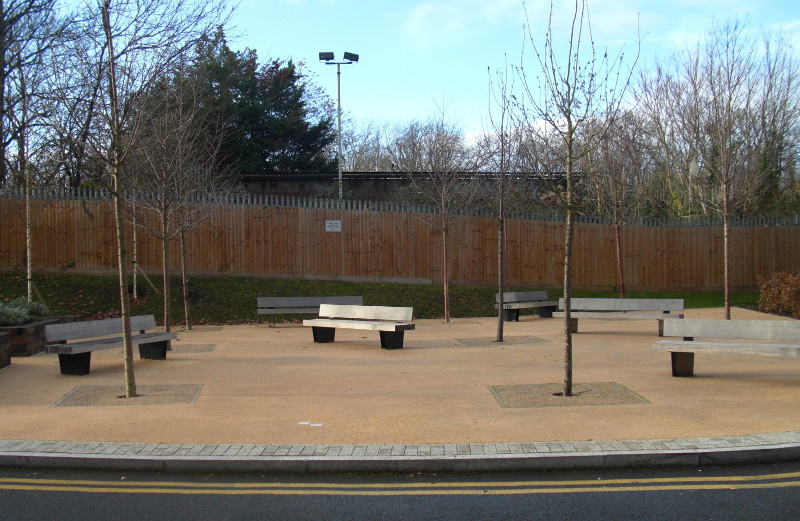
x,y
381,245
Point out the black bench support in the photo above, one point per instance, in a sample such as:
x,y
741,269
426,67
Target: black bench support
x,y
391,340
511,315
153,350
573,325
323,335
77,364
547,311
682,364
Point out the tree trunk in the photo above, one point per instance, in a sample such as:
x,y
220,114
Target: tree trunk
x,y
28,239
3,79
26,175
127,344
135,264
445,279
115,164
620,270
500,273
726,239
726,252
568,231
165,274
185,282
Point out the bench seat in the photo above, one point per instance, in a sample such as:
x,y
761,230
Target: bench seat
x,y
622,309
300,305
74,342
107,343
390,322
513,301
738,331
369,325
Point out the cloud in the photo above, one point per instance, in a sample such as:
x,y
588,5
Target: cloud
x,y
434,23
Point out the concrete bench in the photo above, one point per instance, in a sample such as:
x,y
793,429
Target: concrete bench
x,y
391,322
513,301
294,305
74,342
623,309
682,351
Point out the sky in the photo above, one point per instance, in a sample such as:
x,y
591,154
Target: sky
x,y
418,58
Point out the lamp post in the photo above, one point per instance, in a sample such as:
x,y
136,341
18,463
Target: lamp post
x,y
348,59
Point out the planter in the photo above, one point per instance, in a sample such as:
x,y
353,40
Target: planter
x,y
5,356
27,339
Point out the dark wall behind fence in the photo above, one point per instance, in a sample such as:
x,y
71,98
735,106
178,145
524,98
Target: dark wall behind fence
x,y
381,245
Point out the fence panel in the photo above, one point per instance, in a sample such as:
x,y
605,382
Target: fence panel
x,y
291,241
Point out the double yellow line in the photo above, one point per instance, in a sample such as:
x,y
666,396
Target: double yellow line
x,y
406,489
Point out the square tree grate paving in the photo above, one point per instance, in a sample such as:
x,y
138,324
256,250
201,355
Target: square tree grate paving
x,y
548,395
193,348
113,395
507,340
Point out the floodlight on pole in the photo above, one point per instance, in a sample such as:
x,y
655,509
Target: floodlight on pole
x,y
349,58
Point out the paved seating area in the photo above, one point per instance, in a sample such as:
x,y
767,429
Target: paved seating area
x,y
274,393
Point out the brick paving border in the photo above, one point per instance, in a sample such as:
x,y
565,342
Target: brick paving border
x,y
456,457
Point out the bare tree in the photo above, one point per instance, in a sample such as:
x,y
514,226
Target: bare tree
x,y
741,102
178,175
366,148
563,94
617,179
20,45
25,105
507,190
438,165
124,48
660,101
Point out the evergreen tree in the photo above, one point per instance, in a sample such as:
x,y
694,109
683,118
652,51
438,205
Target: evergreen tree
x,y
267,110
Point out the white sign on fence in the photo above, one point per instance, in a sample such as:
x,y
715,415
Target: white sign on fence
x,y
333,226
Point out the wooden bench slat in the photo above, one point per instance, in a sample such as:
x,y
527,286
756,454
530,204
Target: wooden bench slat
x,y
623,309
521,296
620,315
108,343
623,304
370,325
733,348
753,329
95,328
384,313
282,311
523,304
279,305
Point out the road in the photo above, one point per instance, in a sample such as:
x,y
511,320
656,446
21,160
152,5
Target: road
x,y
770,492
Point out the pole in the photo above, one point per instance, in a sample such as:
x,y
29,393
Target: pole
x,y
339,114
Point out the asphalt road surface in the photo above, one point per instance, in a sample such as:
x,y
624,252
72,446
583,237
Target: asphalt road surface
x,y
769,492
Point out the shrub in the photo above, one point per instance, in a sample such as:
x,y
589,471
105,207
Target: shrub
x,y
19,311
780,294
33,308
13,316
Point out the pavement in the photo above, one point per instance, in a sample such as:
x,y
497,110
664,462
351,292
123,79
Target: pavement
x,y
253,398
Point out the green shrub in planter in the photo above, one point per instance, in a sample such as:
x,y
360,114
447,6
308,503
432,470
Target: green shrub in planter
x,y
19,311
11,316
25,323
34,309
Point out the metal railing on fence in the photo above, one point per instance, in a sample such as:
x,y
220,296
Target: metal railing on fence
x,y
90,193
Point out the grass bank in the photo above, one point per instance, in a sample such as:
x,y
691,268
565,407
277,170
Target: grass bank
x,y
226,300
